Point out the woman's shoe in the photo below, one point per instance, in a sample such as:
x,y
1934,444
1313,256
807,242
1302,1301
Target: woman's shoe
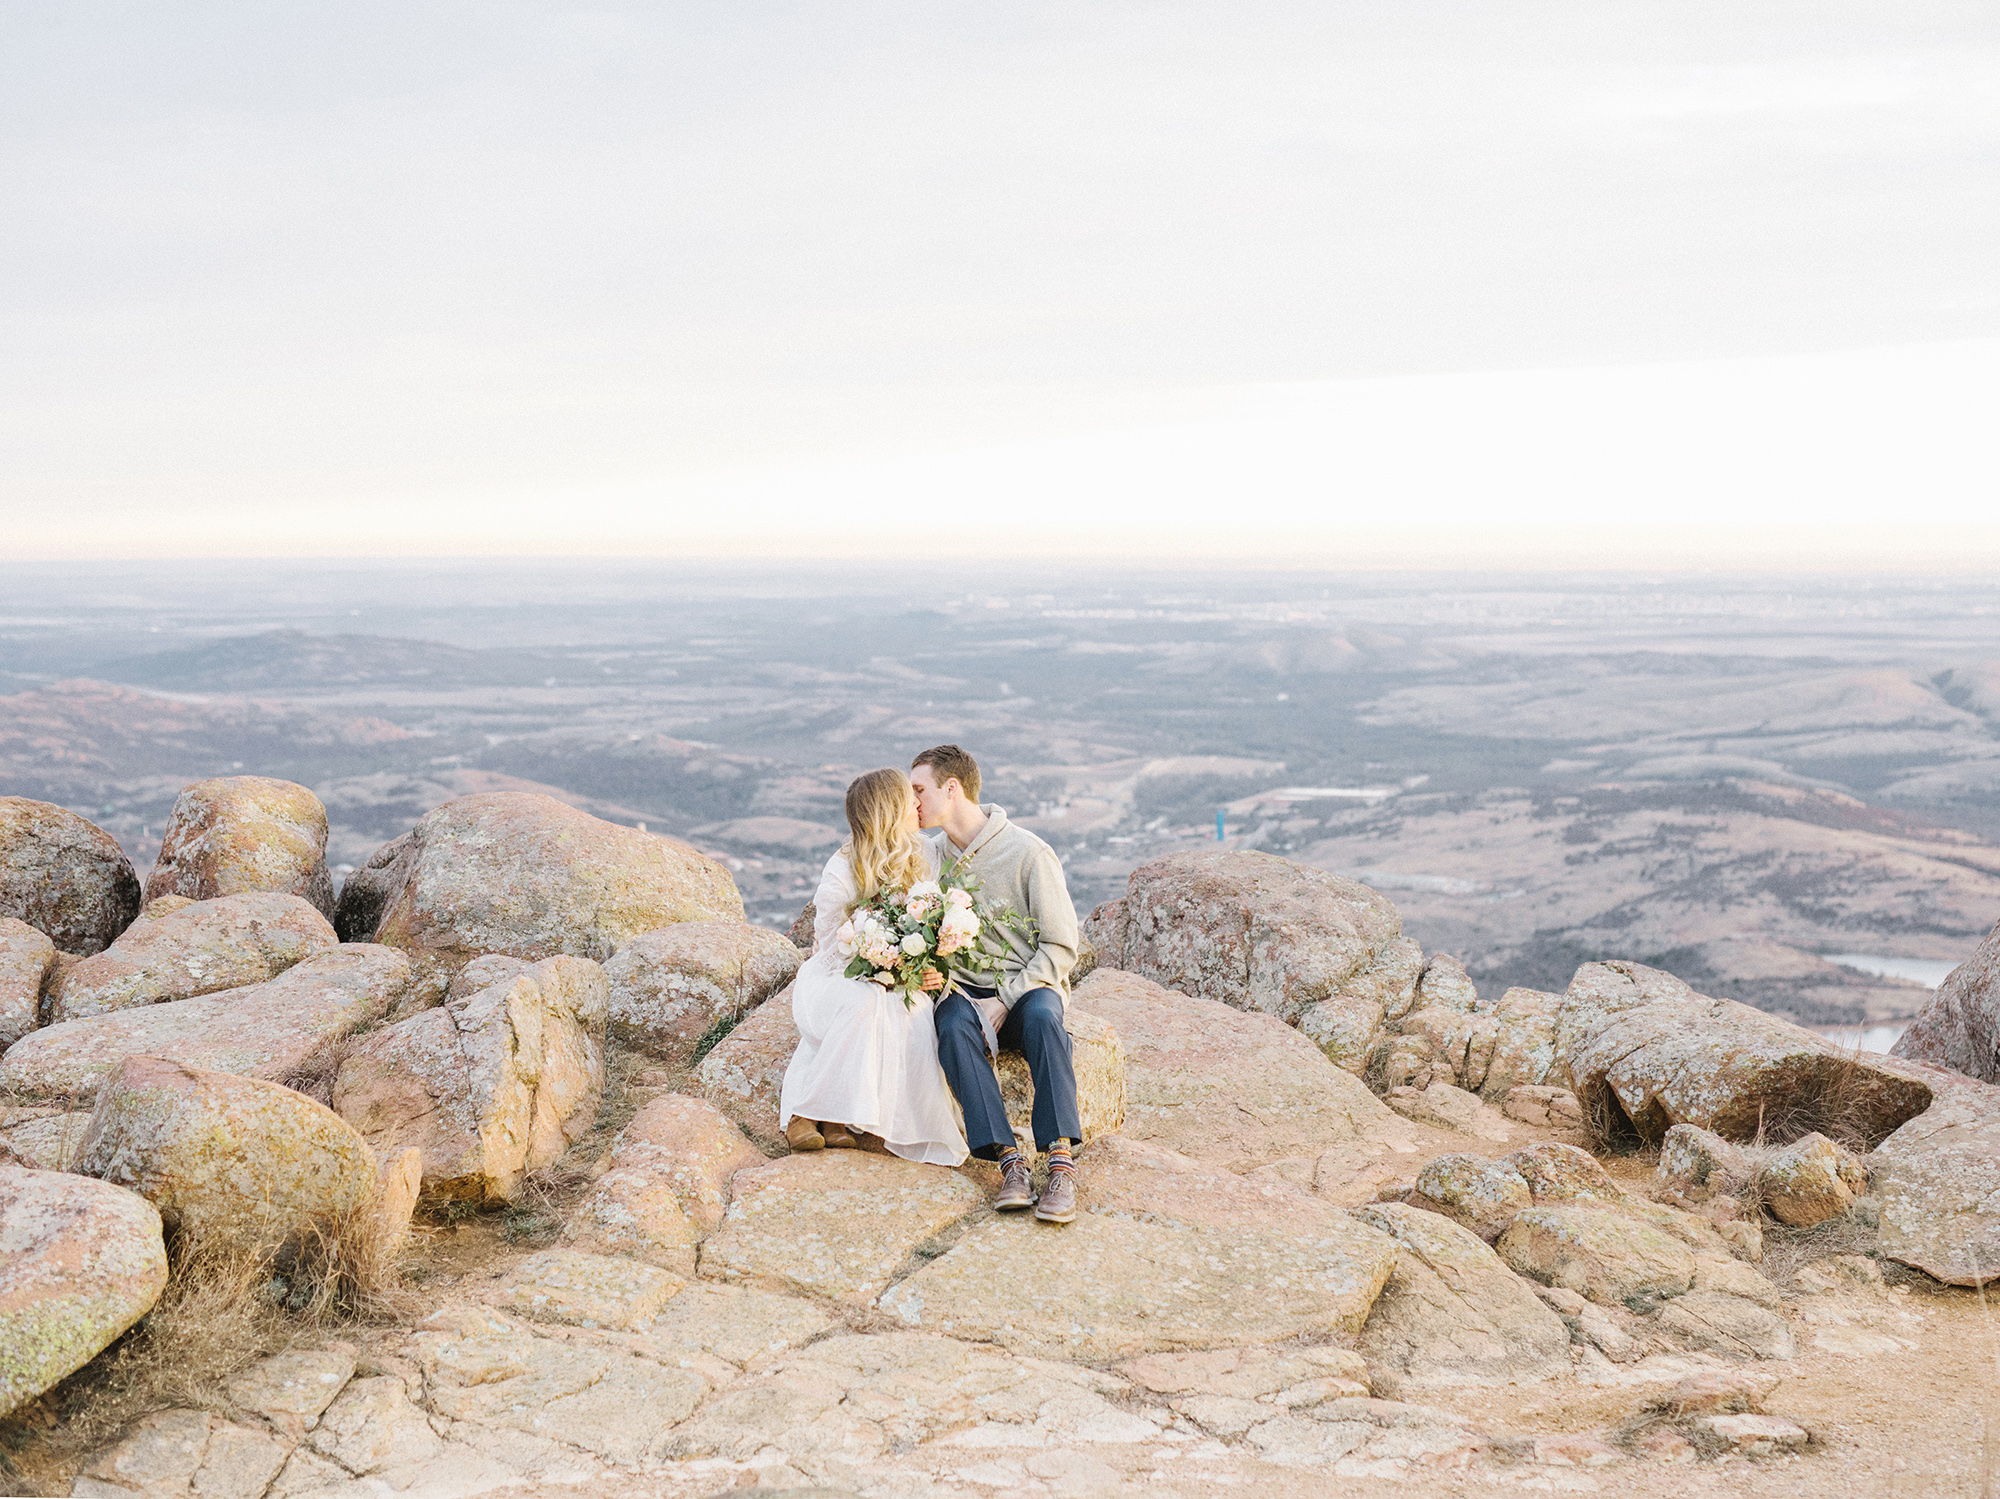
x,y
838,1136
873,1144
803,1134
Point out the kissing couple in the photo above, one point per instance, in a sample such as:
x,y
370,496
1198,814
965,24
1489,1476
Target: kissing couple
x,y
871,1069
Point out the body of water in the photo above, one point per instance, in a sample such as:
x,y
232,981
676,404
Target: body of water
x,y
1930,972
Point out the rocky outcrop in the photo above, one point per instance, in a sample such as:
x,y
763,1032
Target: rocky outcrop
x,y
1938,1182
673,989
80,1261
838,1225
490,1086
238,834
1234,1088
1448,1035
522,874
65,877
238,1164
191,1452
1097,1053
1452,1313
282,1030
201,947
1180,1255
1346,1025
1598,1252
1959,1026
1809,1181
666,1184
1697,1165
27,958
1257,932
570,1287
1644,1052
1475,1193
744,1075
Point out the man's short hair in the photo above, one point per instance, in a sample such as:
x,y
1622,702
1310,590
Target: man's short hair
x,y
950,763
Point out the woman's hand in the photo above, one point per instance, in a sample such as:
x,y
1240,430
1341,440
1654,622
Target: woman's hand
x,y
932,981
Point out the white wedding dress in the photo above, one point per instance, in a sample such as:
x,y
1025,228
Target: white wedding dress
x,y
864,1059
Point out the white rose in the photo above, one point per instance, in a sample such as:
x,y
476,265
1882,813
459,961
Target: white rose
x,y
924,890
961,921
914,944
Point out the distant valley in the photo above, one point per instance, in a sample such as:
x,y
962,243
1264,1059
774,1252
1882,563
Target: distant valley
x,y
1731,779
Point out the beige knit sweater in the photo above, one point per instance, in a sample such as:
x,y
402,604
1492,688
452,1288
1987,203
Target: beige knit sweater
x,y
1015,868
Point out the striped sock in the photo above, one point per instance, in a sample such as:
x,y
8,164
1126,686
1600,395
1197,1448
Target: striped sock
x,y
1060,1159
1009,1153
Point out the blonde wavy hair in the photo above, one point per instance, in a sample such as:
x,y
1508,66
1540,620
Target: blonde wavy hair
x,y
883,855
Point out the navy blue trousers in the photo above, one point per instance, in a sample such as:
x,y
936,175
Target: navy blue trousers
x,y
1034,1027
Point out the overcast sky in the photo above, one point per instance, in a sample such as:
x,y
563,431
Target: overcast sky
x,y
1284,278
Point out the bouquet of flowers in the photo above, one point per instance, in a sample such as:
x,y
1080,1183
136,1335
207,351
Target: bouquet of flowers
x,y
935,924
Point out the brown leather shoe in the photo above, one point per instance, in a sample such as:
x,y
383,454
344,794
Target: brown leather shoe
x,y
873,1144
838,1137
802,1134
1017,1187
1058,1201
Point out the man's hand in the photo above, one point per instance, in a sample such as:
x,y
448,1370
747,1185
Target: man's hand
x,y
932,981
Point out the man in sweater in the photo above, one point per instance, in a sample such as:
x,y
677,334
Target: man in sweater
x,y
1015,869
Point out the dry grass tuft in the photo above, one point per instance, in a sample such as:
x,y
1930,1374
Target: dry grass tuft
x,y
221,1311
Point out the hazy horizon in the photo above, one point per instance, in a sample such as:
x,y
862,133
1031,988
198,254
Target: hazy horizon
x,y
1438,284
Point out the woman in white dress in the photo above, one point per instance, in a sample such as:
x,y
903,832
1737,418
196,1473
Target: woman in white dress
x,y
867,1064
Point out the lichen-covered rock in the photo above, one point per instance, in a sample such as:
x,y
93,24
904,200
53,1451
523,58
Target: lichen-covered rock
x,y
238,834
1642,1049
587,1290
1097,1055
176,1452
1475,1193
844,1405
522,874
1556,1172
236,1163
1164,1253
501,1387
837,1224
80,1261
201,947
1346,1025
1959,1026
1697,1165
1524,1044
800,933
744,1074
65,877
1251,930
666,1186
1452,1313
491,1085
1235,1088
1539,1104
282,1030
1445,1106
1938,1182
26,960
48,1142
671,989
1253,1373
1732,1325
1597,1252
1802,1183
